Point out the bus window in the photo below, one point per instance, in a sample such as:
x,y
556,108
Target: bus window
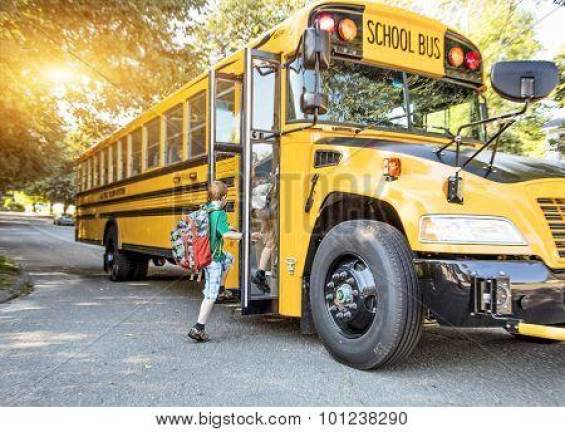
x,y
153,142
113,175
95,170
173,128
100,167
136,152
265,97
197,125
124,157
78,177
357,93
105,165
89,173
441,107
227,116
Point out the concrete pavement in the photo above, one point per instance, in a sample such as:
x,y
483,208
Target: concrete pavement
x,y
80,340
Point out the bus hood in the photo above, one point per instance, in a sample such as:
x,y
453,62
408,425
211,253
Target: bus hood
x,y
507,168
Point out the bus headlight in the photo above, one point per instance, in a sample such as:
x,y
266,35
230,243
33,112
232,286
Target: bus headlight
x,y
456,229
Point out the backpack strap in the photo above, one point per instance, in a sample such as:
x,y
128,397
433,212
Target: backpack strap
x,y
193,228
219,246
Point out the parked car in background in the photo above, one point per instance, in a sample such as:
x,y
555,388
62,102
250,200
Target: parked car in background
x,y
64,220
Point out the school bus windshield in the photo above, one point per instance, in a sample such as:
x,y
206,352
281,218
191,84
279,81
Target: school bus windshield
x,y
364,95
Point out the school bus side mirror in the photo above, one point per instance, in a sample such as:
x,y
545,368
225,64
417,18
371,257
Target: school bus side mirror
x,y
317,49
310,101
522,81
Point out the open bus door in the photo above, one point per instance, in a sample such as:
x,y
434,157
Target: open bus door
x,y
224,164
260,203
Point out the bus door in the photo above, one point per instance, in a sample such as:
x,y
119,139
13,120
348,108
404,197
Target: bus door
x,y
260,244
226,153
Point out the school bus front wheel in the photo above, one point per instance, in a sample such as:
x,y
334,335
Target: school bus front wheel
x,y
364,294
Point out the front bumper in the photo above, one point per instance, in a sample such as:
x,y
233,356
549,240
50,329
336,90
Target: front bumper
x,y
537,293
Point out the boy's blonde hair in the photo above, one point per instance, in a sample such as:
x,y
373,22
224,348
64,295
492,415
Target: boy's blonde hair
x,y
217,191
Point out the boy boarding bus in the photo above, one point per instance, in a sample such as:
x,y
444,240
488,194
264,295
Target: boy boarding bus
x,y
356,147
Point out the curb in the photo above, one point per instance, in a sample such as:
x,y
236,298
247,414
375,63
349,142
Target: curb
x,y
21,287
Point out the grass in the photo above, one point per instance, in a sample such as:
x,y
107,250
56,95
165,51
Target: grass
x,y
8,272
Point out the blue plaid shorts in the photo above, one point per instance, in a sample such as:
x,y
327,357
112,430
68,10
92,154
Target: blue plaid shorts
x,y
214,274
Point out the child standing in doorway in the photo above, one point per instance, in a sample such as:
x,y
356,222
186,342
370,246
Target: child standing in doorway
x,y
216,273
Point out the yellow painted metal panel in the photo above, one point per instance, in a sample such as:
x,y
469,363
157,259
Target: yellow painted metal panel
x,y
541,331
402,39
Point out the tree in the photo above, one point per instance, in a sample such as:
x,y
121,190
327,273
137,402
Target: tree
x,y
559,95
60,185
70,63
230,24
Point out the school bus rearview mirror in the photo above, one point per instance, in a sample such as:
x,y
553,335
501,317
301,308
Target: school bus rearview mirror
x,y
522,81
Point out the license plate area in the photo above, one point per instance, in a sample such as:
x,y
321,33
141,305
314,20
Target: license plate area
x,y
491,296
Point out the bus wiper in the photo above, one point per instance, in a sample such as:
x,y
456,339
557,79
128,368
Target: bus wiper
x,y
446,130
378,123
454,183
371,126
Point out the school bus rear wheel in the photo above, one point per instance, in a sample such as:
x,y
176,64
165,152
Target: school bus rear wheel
x,y
365,299
121,265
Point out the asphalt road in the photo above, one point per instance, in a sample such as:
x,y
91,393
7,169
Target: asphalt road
x,y
80,340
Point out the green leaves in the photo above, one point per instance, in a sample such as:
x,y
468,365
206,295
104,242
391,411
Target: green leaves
x,y
230,24
119,58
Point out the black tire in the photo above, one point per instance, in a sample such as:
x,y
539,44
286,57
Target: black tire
x,y
139,268
396,306
117,263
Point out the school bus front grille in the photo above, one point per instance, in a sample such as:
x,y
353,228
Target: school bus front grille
x,y
554,212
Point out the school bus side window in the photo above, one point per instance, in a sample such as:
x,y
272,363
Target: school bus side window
x,y
173,140
95,170
153,143
136,137
114,164
197,125
105,165
89,173
227,115
124,161
78,178
265,96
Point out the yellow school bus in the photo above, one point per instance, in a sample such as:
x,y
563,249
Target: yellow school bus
x,y
361,131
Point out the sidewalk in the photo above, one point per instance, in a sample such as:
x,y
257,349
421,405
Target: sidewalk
x,y
13,281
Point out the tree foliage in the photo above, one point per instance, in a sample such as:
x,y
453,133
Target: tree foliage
x,y
559,95
229,24
122,56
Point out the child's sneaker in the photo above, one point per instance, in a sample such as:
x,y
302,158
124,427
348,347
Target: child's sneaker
x,y
198,335
260,280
